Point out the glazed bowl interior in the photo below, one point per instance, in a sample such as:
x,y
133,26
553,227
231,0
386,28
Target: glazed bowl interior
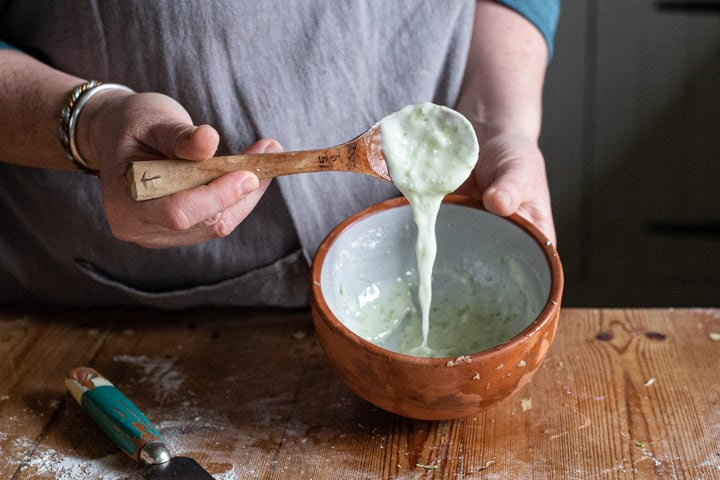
x,y
491,280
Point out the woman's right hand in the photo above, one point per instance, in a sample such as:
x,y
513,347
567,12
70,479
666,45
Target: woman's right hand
x,y
117,127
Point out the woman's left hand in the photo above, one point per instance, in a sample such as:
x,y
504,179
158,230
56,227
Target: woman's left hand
x,y
510,178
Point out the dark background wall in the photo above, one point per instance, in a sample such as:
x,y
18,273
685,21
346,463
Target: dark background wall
x,y
631,136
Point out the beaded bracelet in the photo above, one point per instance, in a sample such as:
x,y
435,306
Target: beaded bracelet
x,y
70,112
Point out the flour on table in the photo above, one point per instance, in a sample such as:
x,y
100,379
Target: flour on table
x,y
160,372
44,461
41,461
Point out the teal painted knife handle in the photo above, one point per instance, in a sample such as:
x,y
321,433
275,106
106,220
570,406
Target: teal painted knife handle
x,y
117,416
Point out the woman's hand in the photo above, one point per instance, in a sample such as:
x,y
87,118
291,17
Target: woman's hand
x,y
116,128
502,97
510,178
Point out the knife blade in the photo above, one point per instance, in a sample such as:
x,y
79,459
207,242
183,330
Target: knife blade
x,y
129,428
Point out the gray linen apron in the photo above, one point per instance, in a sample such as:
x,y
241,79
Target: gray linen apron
x,y
310,73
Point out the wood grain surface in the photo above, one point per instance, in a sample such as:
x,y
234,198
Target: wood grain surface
x,y
249,394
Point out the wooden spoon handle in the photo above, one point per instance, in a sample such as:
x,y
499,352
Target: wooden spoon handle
x,y
158,178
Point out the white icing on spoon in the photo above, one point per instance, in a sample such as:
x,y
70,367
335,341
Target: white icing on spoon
x,y
430,151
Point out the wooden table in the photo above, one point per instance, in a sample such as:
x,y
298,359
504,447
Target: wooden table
x,y
249,394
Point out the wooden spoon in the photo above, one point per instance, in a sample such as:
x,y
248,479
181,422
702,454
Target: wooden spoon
x,y
158,178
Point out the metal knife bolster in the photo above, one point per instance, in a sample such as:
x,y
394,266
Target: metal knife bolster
x,y
117,416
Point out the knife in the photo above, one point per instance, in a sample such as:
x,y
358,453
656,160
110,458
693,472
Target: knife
x,y
129,428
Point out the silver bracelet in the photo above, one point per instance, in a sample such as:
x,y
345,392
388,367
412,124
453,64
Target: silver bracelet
x,y
70,112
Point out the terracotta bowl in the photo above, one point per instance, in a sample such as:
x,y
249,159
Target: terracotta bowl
x,y
378,244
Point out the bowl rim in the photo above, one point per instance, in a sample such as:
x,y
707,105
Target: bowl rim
x,y
546,315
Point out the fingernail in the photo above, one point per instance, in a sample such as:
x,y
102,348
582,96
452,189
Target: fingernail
x,y
249,185
273,147
502,196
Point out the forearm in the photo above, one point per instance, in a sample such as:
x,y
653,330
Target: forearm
x,y
502,87
31,97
